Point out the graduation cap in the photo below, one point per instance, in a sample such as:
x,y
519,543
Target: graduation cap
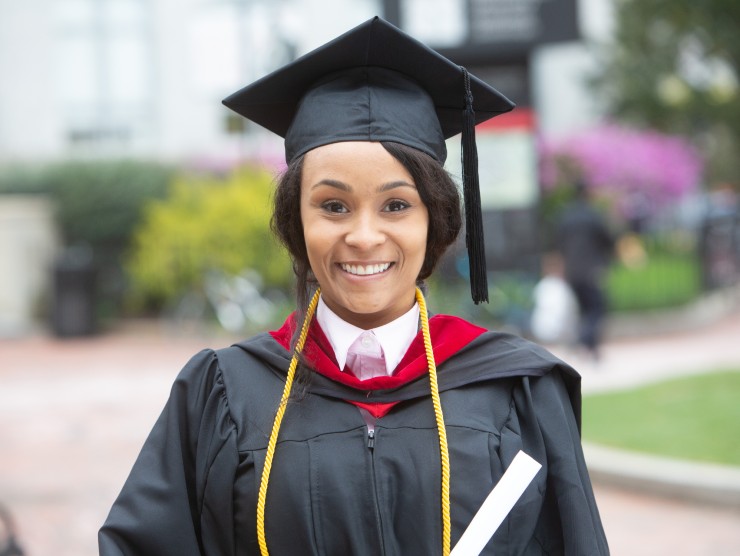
x,y
376,83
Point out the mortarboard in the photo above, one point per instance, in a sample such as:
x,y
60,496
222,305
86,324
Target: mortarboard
x,y
376,83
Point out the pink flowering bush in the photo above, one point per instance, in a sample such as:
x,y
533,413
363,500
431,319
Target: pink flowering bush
x,y
621,163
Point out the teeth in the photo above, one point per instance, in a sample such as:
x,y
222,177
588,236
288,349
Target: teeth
x,y
367,270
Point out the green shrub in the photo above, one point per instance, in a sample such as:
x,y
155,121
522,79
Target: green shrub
x,y
206,223
100,203
96,203
29,180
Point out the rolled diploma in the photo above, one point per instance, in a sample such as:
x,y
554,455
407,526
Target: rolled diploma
x,y
497,505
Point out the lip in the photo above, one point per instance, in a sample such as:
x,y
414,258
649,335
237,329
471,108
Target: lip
x,y
365,269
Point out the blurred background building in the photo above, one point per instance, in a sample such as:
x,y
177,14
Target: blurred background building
x,y
145,78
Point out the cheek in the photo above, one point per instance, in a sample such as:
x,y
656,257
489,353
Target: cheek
x,y
318,242
416,239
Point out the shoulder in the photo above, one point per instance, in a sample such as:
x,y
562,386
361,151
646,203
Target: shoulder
x,y
232,386
485,344
551,382
228,366
494,355
507,350
249,358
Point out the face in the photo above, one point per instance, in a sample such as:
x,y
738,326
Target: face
x,y
365,229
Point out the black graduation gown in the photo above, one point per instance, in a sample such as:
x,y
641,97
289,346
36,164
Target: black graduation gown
x,y
333,491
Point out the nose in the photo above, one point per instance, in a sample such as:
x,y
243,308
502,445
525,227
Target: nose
x,y
366,232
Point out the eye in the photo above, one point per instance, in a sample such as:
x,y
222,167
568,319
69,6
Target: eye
x,y
396,205
334,207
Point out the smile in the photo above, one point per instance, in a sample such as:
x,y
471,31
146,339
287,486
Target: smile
x,y
365,270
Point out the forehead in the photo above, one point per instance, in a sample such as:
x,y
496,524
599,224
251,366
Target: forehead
x,y
354,160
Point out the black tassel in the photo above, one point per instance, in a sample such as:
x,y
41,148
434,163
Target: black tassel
x,y
471,191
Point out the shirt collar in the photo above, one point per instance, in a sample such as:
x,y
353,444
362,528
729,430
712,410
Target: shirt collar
x,y
394,337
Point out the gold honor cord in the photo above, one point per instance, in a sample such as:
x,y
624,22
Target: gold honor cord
x,y
443,450
262,496
261,539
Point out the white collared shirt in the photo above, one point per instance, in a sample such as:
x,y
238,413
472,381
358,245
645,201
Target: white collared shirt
x,y
394,337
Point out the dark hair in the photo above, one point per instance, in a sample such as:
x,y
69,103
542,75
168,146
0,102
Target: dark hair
x,y
437,190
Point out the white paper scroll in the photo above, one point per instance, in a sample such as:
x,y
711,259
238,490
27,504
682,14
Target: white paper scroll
x,y
497,505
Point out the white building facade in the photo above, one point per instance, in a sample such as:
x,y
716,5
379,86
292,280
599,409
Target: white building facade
x,y
144,78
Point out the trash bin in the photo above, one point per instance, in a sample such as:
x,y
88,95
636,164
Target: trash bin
x,y
8,543
73,308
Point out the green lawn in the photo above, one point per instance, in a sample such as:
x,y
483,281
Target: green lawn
x,y
696,418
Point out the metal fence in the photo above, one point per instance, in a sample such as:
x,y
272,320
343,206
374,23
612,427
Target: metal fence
x,y
719,250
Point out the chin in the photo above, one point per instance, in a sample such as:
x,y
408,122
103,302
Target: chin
x,y
370,308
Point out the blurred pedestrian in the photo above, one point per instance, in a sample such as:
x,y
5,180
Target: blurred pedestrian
x,y
555,312
586,245
365,447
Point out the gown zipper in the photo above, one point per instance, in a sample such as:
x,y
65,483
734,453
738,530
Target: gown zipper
x,y
374,487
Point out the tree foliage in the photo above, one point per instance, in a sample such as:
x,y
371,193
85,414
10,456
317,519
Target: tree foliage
x,y
674,66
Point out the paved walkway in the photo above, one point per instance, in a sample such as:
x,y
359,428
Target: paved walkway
x,y
73,415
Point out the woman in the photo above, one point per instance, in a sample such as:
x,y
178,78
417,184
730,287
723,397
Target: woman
x,y
362,426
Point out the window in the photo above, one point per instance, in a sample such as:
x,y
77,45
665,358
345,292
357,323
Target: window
x,y
104,72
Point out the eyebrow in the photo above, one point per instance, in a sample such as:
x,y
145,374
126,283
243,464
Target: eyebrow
x,y
348,188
